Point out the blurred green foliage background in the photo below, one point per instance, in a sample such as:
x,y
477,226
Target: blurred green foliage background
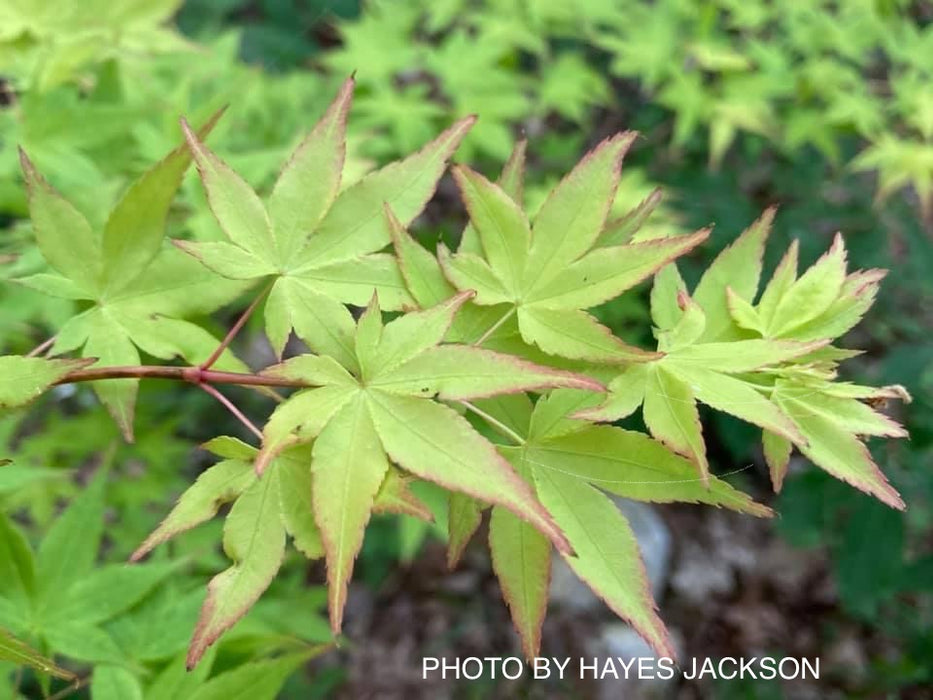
x,y
824,108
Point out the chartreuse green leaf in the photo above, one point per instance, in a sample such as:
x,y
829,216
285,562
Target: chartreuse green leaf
x,y
784,276
548,271
797,317
380,406
823,303
422,274
176,681
566,460
295,500
310,182
501,225
395,496
436,444
781,381
623,229
102,262
698,367
139,288
67,553
665,297
318,239
830,427
237,208
22,379
632,465
105,592
21,654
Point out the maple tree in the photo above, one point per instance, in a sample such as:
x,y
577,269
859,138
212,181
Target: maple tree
x,y
490,378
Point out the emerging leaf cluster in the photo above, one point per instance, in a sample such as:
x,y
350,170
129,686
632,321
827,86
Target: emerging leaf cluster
x,y
491,379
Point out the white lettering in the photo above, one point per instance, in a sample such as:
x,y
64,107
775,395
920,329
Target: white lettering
x,y
542,667
584,667
813,667
561,666
796,666
429,664
722,673
479,668
519,665
768,672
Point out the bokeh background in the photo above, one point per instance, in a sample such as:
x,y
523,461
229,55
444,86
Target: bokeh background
x,y
823,108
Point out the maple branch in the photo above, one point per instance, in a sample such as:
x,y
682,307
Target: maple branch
x,y
231,334
502,427
42,347
485,336
194,375
229,405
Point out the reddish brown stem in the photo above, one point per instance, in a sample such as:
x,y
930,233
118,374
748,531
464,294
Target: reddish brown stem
x,y
231,334
194,375
237,413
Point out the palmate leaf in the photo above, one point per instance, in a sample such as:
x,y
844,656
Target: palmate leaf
x,y
831,427
548,271
320,244
568,462
361,416
139,289
780,381
382,406
824,302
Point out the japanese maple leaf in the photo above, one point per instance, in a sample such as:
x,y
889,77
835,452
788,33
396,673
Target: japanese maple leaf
x,y
317,242
139,290
383,407
547,271
780,380
570,464
831,417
